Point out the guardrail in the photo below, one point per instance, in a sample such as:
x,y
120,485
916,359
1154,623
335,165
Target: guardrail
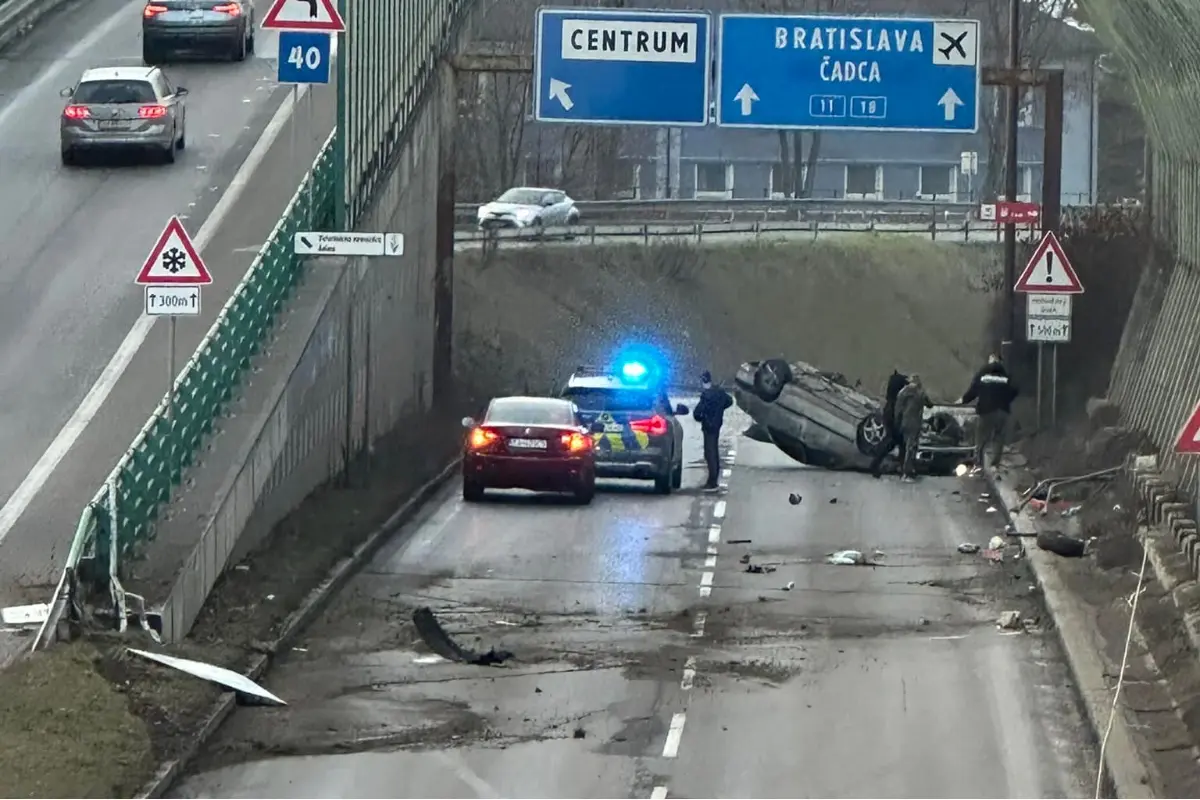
x,y
964,231
120,517
784,210
18,16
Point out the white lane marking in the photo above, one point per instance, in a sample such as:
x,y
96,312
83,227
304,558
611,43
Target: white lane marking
x,y
714,534
719,509
947,638
712,550
689,674
20,499
706,581
710,562
725,473
659,793
467,775
674,735
698,625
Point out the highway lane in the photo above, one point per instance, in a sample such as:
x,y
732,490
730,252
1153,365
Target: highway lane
x,y
650,664
74,240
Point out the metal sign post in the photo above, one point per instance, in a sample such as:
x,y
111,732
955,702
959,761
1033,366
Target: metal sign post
x,y
172,302
1048,321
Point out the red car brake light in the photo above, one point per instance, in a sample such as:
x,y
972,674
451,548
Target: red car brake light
x,y
232,9
152,10
655,426
576,442
152,112
481,438
75,112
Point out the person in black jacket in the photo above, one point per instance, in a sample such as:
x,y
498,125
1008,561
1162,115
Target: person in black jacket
x,y
992,390
710,413
893,437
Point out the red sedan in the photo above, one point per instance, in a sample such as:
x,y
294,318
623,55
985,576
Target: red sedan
x,y
535,443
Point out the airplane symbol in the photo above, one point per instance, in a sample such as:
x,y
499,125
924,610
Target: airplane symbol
x,y
955,43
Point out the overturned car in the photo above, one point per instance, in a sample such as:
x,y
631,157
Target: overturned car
x,y
818,418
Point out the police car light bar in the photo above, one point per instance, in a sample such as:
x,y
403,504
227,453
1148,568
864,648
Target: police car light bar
x,y
633,371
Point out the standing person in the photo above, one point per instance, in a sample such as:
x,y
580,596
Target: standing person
x,y
710,413
910,415
892,437
992,390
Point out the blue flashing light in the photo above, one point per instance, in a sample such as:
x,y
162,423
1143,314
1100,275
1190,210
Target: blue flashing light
x,y
634,371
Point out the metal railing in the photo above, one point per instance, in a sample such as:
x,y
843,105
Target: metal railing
x,y
966,230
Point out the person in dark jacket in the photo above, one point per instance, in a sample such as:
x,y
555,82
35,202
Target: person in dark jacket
x,y
910,417
892,436
710,413
992,390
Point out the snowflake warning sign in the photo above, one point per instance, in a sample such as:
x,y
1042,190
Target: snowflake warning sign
x,y
174,261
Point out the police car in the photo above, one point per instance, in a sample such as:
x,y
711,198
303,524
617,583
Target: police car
x,y
642,437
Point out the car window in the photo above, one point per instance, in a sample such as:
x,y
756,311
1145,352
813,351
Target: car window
x,y
557,197
524,197
592,399
114,92
530,412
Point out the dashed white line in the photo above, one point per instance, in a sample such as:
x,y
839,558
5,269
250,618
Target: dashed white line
x,y
674,736
714,534
719,510
659,793
710,561
698,625
712,550
689,674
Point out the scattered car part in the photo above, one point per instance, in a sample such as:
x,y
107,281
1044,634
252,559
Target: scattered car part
x,y
436,638
209,672
1061,544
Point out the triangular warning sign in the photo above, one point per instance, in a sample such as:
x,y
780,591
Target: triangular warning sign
x,y
174,260
1188,441
304,15
1049,271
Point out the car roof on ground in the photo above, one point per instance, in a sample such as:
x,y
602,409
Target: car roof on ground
x,y
130,73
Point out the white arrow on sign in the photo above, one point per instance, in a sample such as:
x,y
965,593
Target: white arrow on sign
x,y
950,103
558,91
746,97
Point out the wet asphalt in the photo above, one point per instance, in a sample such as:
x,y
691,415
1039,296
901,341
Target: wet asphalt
x,y
650,663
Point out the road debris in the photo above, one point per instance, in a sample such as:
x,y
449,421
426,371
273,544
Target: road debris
x,y
854,558
579,733
833,500
995,555
968,548
1009,621
996,543
760,569
1061,544
794,499
231,680
991,509
1072,511
436,638
790,585
25,616
739,541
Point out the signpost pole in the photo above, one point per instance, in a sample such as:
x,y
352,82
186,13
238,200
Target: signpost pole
x,y
1053,385
1040,348
171,369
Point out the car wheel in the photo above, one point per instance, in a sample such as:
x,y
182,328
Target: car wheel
x,y
68,157
239,50
250,39
871,434
169,152
586,492
770,378
472,491
662,483
677,476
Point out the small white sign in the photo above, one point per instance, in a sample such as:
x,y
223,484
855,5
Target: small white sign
x,y
172,301
1048,306
319,243
1052,331
987,212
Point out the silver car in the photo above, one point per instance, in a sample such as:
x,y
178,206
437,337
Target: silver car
x,y
224,27
126,108
528,207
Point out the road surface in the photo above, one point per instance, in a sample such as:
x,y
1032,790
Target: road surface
x,y
74,241
649,663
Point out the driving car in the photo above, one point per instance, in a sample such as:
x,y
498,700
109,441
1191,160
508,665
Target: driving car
x,y
535,443
174,27
818,418
636,430
528,208
123,108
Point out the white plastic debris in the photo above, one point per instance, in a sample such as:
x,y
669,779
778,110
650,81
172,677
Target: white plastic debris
x,y
1072,511
22,616
961,470
996,543
848,558
1009,621
227,678
790,585
991,509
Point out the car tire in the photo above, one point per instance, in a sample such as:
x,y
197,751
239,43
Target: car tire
x,y
677,476
151,56
472,491
239,50
770,377
662,483
69,158
169,152
250,40
870,435
586,492
181,142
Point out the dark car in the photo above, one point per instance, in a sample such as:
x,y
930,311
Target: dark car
x,y
535,443
635,426
220,27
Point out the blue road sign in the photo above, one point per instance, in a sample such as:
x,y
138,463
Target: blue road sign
x,y
304,57
614,67
848,73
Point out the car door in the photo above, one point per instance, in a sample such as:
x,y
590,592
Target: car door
x,y
668,411
168,96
